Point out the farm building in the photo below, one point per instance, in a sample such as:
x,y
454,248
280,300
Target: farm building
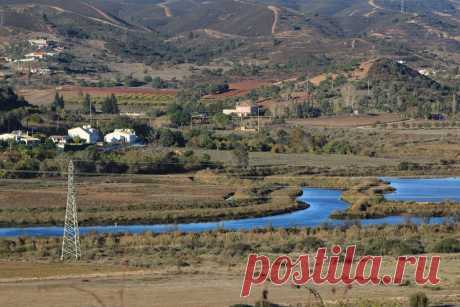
x,y
38,55
125,136
19,137
39,43
243,110
85,133
59,139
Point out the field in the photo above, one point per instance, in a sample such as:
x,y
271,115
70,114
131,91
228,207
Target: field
x,y
125,96
265,159
348,121
240,89
141,200
197,289
206,269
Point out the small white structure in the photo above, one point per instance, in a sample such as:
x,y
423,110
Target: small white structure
x,y
59,139
242,111
36,55
85,133
427,72
19,137
39,43
125,136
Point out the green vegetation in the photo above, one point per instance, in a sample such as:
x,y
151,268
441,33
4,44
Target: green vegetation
x,y
9,100
157,204
226,248
367,201
110,105
419,300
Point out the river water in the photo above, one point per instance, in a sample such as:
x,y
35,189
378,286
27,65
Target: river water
x,y
322,203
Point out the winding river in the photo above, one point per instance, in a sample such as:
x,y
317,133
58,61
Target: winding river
x,y
322,203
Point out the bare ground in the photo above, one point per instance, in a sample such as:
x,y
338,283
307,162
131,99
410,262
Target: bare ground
x,y
207,287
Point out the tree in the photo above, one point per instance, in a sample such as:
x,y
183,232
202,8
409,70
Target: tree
x,y
157,82
221,120
58,102
88,107
9,100
148,79
241,156
110,105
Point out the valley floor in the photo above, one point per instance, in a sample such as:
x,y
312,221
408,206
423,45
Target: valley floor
x,y
212,287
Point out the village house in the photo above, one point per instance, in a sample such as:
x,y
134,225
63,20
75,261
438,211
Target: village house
x,y
59,139
86,133
121,136
242,110
38,55
19,137
39,43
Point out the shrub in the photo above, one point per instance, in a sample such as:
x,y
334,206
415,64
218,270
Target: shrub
x,y
449,245
418,299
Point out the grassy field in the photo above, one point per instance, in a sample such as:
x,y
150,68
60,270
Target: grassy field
x,y
141,200
259,159
206,289
348,121
206,269
126,96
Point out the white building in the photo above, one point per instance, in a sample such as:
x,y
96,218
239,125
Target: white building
x,y
85,133
39,55
39,43
19,137
126,136
59,139
242,111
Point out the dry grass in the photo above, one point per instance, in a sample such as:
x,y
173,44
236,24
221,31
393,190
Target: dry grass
x,y
204,269
139,200
12,270
347,121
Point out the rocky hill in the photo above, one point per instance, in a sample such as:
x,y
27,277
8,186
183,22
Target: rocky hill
x,y
294,34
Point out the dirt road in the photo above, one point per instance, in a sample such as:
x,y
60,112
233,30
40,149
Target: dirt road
x,y
275,11
168,12
191,289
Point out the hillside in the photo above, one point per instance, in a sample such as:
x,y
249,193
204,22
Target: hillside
x,y
399,88
278,36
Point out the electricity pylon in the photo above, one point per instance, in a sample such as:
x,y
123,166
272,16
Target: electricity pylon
x,y
71,239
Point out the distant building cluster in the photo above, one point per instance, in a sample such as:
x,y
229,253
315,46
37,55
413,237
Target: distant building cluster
x,y
19,137
31,63
78,135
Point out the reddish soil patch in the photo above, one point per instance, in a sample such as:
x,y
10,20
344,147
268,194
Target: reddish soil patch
x,y
118,90
240,88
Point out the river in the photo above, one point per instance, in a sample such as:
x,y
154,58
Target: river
x,y
322,203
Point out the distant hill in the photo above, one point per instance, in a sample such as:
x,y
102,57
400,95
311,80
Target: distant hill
x,y
399,88
281,35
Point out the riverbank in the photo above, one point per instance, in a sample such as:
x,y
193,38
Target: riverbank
x,y
151,265
144,201
367,201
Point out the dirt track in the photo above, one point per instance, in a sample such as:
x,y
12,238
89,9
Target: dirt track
x,y
168,12
203,288
275,11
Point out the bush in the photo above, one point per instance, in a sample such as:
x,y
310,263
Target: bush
x,y
449,245
418,299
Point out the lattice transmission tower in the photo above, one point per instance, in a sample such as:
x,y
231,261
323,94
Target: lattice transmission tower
x,y
71,239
